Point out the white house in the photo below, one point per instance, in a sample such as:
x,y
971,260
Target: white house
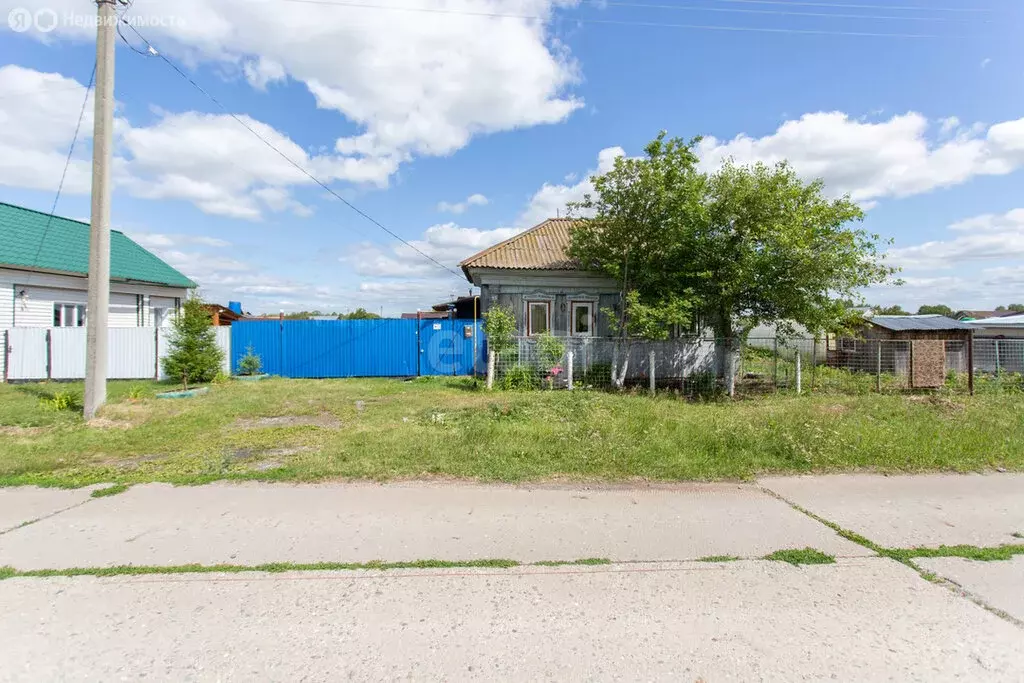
x,y
43,266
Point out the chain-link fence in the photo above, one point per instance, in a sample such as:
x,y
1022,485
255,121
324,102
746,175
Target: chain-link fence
x,y
699,366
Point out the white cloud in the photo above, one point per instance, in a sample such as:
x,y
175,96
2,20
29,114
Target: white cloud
x,y
419,79
550,200
446,243
156,240
38,114
460,207
986,238
894,158
985,62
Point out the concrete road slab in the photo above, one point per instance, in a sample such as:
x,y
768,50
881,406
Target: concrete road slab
x,y
863,620
919,510
999,584
28,503
249,524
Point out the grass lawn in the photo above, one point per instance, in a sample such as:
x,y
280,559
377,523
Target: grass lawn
x,y
309,430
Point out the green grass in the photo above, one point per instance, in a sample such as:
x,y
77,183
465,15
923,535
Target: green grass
x,y
109,491
805,556
970,552
719,558
588,561
279,567
447,427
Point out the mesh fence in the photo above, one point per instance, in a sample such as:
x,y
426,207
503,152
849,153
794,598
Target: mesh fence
x,y
699,366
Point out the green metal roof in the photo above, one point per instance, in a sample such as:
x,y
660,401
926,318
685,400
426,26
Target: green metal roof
x,y
27,242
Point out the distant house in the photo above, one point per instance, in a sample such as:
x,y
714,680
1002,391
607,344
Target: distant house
x,y
967,316
547,291
1004,327
44,262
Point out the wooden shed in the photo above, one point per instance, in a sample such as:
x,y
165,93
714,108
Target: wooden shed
x,y
923,347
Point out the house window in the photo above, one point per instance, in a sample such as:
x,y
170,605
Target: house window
x,y
68,315
538,317
582,322
159,317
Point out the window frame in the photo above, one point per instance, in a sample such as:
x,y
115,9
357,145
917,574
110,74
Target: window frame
x,y
591,318
76,320
530,303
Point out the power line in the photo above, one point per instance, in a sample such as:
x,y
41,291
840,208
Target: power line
x,y
156,53
854,6
609,22
67,164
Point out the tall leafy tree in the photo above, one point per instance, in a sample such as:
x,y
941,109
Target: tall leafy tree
x,y
936,309
359,314
744,245
194,354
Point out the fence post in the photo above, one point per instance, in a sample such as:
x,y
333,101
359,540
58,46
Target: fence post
x,y
878,367
651,366
799,385
156,353
49,355
814,363
568,368
970,364
775,366
490,369
7,354
997,358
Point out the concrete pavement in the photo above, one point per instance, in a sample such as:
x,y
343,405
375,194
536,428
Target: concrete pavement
x,y
658,617
915,510
862,619
250,524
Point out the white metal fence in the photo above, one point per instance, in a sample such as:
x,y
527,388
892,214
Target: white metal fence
x,y
58,353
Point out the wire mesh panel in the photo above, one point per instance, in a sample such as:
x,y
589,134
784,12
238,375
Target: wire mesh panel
x,y
700,366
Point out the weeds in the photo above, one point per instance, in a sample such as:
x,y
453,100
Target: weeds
x,y
797,557
719,558
109,491
60,401
969,552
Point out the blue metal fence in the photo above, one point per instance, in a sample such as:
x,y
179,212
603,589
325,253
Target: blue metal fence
x,y
361,348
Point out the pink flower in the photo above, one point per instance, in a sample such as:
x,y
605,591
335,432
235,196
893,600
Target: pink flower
x,y
556,370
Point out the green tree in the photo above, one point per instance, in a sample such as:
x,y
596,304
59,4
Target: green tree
x,y
194,355
895,309
744,245
359,314
1016,308
937,309
500,328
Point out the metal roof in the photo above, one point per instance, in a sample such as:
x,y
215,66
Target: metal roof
x,y
1006,321
31,239
542,247
900,323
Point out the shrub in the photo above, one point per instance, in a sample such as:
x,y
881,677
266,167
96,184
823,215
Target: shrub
x,y
250,363
59,401
136,392
519,378
195,356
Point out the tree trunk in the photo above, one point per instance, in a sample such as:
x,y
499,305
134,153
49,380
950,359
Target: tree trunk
x,y
726,352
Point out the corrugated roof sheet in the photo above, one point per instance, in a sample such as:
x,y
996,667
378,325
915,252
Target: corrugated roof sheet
x,y
542,247
27,242
901,323
1005,321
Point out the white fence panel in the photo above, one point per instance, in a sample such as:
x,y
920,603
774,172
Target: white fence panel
x,y
67,357
27,353
132,353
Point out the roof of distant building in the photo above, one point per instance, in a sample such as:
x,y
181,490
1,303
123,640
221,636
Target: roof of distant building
x,y
902,323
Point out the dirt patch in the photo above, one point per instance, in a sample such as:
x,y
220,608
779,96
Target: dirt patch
x,y
250,453
107,423
946,405
323,420
836,409
20,431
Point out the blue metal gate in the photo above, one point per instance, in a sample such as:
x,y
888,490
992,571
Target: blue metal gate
x,y
361,348
451,347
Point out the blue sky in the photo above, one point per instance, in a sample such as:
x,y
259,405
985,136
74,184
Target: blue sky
x,y
401,110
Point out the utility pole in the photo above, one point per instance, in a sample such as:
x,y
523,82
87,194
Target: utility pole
x,y
98,307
